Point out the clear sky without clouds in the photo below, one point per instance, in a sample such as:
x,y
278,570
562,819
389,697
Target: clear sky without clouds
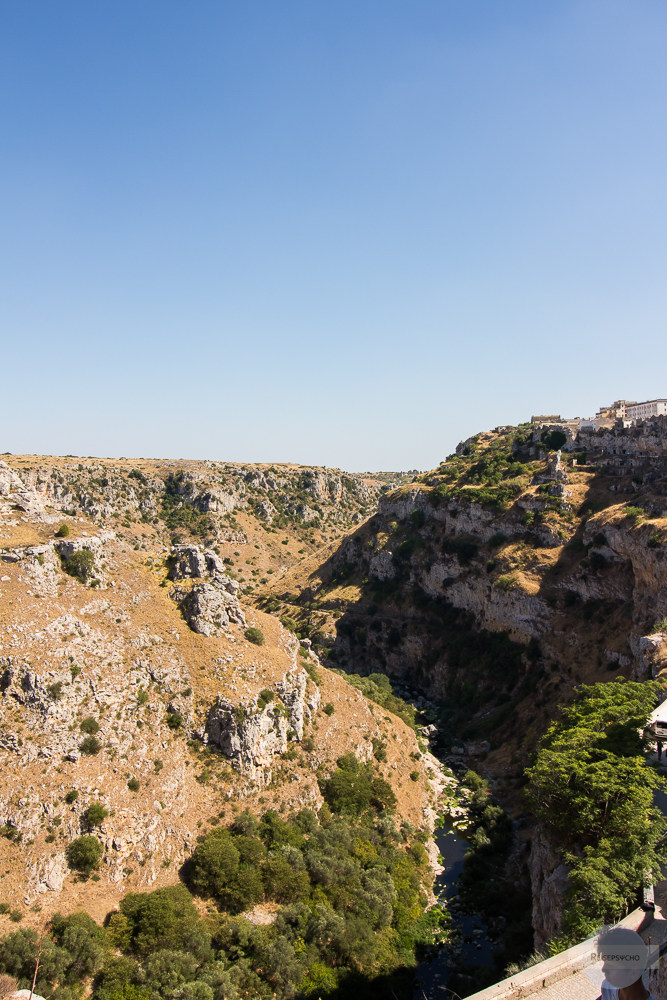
x,y
338,232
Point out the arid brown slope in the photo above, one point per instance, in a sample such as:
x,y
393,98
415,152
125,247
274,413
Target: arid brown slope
x,y
113,651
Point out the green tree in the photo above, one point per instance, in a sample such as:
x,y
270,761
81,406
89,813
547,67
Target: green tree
x,y
95,814
83,939
353,788
80,564
166,918
592,790
285,875
84,854
214,864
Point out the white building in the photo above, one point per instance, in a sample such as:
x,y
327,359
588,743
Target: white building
x,y
642,411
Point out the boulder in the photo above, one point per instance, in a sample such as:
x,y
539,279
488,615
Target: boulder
x,y
191,562
208,608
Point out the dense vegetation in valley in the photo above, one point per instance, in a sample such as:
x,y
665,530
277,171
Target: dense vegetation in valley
x,y
592,790
347,885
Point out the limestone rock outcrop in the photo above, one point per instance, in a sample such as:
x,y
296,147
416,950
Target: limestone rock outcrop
x,y
189,561
16,495
209,606
251,735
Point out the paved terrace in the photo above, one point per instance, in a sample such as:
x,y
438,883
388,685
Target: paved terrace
x,y
563,977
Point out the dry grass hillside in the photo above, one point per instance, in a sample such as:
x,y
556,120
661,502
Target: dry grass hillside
x,y
110,698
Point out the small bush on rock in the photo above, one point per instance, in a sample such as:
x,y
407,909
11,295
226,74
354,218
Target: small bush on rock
x,y
90,746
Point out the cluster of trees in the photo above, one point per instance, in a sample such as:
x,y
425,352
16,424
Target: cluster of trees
x,y
592,790
351,916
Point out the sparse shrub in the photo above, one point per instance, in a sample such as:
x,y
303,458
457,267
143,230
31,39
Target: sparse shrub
x,y
174,720
417,518
506,582
414,775
634,514
255,635
71,796
80,564
95,814
655,541
133,785
289,623
5,907
158,765
328,709
16,916
90,746
63,531
264,698
84,854
142,696
312,671
55,690
89,725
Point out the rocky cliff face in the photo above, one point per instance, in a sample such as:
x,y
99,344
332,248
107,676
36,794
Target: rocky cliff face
x,y
547,571
501,580
104,489
548,877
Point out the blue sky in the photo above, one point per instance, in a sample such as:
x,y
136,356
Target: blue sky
x,y
343,233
